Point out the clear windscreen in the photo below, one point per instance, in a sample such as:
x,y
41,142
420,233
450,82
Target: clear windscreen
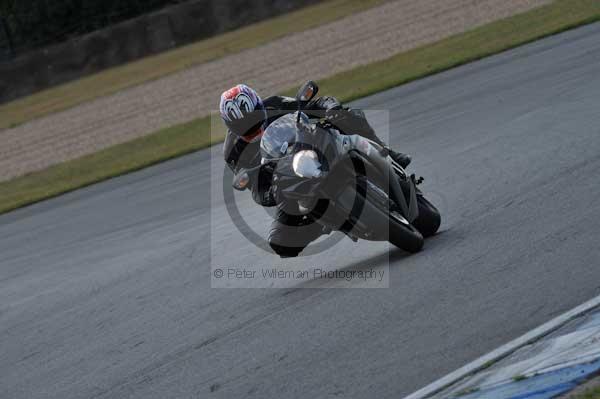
x,y
281,135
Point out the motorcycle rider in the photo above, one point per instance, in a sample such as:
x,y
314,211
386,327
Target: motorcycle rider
x,y
246,116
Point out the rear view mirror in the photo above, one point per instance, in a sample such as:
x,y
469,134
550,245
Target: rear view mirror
x,y
307,92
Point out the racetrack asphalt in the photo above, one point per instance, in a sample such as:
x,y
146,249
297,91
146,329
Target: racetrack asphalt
x,y
105,292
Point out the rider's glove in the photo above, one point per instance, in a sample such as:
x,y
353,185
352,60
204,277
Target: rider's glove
x,y
325,103
264,190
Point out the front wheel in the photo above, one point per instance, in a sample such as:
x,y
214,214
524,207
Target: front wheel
x,y
429,219
404,235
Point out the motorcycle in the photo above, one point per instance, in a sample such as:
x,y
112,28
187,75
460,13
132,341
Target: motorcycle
x,y
343,181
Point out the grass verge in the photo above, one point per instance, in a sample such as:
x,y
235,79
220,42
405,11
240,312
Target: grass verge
x,y
588,390
150,68
591,394
178,140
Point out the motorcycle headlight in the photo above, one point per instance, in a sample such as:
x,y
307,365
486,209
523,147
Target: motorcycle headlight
x,y
306,164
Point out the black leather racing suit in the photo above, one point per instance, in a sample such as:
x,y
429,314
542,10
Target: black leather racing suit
x,y
287,237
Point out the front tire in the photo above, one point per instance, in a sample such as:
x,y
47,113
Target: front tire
x,y
429,219
404,236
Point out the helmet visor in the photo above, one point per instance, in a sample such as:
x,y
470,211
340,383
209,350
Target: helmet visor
x,y
248,124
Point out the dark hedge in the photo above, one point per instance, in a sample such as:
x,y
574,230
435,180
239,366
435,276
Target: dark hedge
x,y
29,24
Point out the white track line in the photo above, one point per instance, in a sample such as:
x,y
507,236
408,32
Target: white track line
x,y
504,350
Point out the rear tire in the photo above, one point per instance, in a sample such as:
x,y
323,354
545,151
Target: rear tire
x,y
429,219
388,225
404,236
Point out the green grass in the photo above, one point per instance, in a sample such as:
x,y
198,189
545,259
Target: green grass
x,y
466,391
178,140
488,364
154,67
593,393
519,377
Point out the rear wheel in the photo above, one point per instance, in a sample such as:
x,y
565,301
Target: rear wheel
x,y
429,219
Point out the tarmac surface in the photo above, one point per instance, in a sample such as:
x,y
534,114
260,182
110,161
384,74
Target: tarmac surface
x,y
106,292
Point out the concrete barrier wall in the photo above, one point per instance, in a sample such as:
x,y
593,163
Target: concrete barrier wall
x,y
133,39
